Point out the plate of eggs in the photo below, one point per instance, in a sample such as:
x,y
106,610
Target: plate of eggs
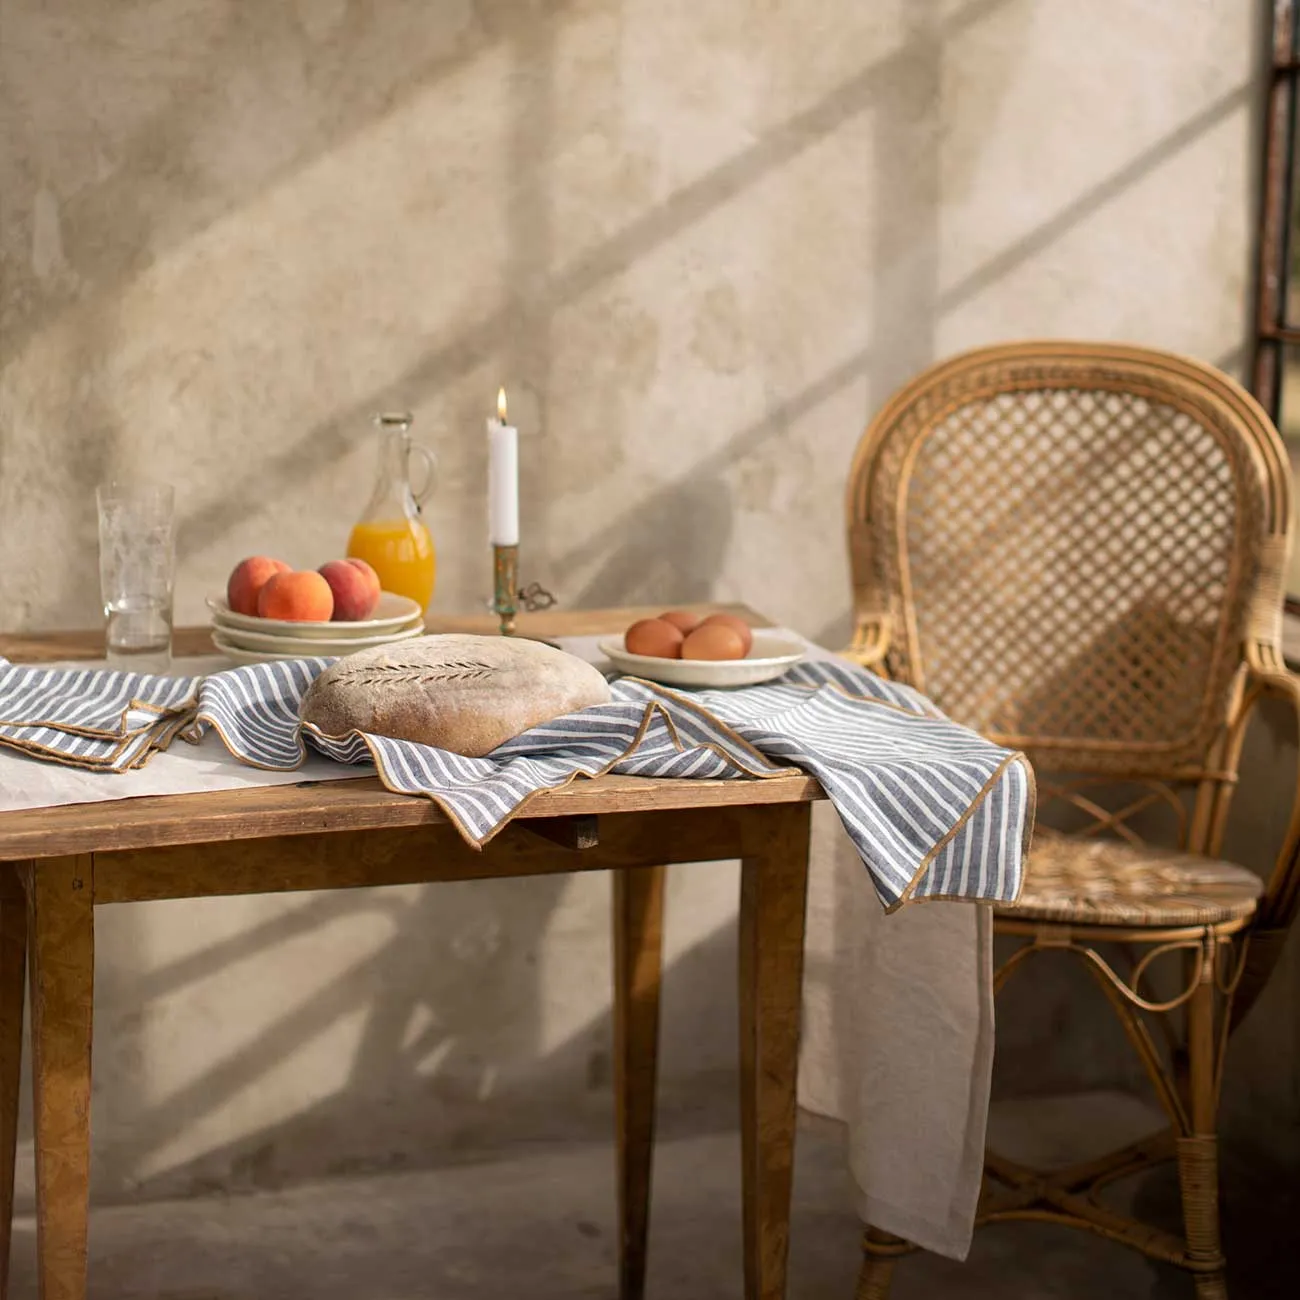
x,y
684,649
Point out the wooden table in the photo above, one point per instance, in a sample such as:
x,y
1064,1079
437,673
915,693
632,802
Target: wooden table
x,y
58,864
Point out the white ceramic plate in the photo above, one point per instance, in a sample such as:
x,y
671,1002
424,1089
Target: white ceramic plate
x,y
395,614
289,645
239,656
770,656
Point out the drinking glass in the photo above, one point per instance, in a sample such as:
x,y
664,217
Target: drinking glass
x,y
137,551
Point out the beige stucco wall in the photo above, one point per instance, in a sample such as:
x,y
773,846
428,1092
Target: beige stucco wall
x,y
699,243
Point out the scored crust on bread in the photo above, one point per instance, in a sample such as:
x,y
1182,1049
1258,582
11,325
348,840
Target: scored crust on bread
x,y
466,694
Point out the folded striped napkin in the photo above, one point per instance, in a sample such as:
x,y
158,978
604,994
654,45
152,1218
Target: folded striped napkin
x,y
934,810
92,718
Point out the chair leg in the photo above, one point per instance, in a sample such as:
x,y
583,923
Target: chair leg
x,y
1198,1154
1198,1178
880,1253
876,1278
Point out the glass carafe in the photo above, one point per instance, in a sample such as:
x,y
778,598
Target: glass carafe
x,y
391,536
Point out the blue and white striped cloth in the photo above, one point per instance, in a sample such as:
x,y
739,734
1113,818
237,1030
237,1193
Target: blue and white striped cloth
x,y
92,718
935,810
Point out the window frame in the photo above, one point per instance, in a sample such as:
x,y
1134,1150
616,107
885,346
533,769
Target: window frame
x,y
1271,335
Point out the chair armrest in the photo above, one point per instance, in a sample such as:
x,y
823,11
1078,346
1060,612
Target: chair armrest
x,y
870,644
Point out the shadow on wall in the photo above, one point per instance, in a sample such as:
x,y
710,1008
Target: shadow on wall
x,y
670,548
900,88
157,84
539,291
128,112
450,1061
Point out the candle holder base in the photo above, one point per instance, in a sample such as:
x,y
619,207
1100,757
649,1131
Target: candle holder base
x,y
508,598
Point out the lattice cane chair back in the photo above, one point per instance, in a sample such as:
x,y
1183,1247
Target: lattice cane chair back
x,y
1078,550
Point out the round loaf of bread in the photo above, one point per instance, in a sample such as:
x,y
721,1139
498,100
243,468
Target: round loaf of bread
x,y
467,694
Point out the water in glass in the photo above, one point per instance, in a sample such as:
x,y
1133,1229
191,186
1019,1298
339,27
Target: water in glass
x,y
136,563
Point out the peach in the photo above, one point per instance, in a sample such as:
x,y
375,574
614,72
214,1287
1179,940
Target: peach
x,y
355,586
371,575
298,597
247,580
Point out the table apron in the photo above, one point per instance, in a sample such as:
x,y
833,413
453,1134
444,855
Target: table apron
x,y
421,854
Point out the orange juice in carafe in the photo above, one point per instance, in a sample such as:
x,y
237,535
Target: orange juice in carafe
x,y
401,552
391,536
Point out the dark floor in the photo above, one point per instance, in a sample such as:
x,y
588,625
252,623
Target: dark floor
x,y
538,1222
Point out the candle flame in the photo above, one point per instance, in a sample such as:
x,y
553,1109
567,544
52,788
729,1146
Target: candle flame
x,y
501,404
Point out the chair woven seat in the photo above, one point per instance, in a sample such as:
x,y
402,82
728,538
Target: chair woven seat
x,y
1108,882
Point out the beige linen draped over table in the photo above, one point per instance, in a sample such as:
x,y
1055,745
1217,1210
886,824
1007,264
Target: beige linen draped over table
x,y
898,1044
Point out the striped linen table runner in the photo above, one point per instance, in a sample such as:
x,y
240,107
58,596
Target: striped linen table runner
x,y
934,810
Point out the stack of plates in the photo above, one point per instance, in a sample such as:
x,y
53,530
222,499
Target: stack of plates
x,y
254,640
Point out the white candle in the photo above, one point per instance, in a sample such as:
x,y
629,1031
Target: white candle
x,y
503,478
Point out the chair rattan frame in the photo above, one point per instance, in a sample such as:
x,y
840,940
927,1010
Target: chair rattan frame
x,y
1017,516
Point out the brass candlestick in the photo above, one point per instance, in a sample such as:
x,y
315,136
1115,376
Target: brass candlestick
x,y
507,598
505,583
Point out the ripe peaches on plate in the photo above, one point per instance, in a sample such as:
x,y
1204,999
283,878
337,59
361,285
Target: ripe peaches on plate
x,y
342,591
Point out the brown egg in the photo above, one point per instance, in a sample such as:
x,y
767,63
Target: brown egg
x,y
683,619
731,621
652,636
713,641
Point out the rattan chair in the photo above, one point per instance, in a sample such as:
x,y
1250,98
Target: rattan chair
x,y
1078,549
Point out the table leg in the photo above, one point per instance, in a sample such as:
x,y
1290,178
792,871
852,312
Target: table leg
x,y
13,960
638,964
61,939
773,894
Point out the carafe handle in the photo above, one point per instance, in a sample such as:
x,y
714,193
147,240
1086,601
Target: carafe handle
x,y
430,461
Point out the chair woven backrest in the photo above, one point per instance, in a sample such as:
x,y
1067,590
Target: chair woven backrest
x,y
1070,542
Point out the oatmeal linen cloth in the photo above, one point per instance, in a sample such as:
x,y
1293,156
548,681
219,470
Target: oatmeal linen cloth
x,y
898,1011
897,1045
